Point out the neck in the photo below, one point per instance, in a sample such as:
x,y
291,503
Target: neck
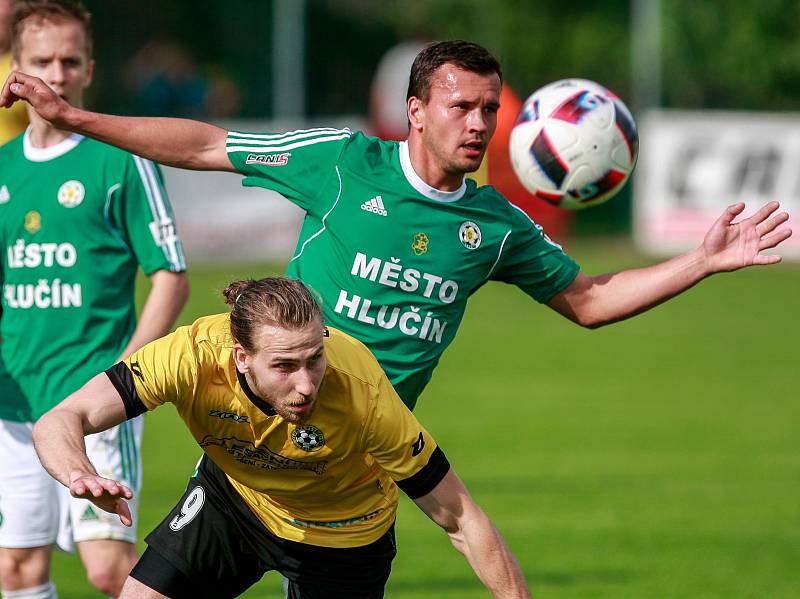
x,y
42,133
428,169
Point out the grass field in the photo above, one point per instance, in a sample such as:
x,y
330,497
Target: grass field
x,y
656,458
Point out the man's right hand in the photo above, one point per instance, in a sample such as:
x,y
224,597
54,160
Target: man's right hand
x,y
33,90
107,494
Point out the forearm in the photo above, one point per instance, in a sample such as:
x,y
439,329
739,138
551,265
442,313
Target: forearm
x,y
471,532
59,440
181,143
164,302
604,299
491,559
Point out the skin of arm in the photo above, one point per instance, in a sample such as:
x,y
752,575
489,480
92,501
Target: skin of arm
x,y
473,534
166,299
181,143
596,301
58,437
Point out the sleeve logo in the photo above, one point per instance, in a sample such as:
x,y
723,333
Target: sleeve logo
x,y
137,370
417,446
163,232
268,159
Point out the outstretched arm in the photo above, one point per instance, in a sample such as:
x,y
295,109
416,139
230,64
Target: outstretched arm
x,y
473,534
728,246
58,438
182,143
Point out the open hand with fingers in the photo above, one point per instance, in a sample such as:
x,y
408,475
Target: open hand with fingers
x,y
107,494
732,245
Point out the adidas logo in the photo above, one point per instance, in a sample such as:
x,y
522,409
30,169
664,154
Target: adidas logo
x,y
89,514
375,205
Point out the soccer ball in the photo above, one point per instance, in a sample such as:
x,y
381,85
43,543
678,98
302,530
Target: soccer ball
x,y
574,144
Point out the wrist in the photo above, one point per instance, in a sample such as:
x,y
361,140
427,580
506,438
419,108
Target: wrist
x,y
73,118
699,263
76,473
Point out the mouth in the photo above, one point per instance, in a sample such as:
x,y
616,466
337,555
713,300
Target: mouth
x,y
474,148
300,408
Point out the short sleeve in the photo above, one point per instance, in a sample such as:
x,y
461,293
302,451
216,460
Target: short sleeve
x,y
164,370
532,261
141,211
297,164
394,437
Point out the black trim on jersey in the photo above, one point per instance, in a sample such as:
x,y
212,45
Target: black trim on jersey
x,y
425,481
122,379
257,401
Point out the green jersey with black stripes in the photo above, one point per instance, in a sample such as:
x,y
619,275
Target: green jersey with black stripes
x,y
393,258
76,222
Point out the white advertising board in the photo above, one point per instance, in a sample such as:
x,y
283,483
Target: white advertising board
x,y
694,164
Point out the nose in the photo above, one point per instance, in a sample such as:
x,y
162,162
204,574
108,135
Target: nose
x,y
56,73
478,121
304,382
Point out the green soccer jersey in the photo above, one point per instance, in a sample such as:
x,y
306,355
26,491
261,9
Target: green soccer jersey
x,y
76,221
394,259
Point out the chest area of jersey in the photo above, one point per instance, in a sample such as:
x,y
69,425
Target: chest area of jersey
x,y
404,241
252,443
54,205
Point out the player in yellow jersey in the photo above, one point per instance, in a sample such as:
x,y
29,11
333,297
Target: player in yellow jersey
x,y
306,444
14,121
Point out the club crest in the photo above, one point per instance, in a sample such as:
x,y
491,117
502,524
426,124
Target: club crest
x,y
308,438
71,193
33,222
420,244
470,235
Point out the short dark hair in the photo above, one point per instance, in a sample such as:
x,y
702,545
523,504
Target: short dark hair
x,y
464,55
273,301
48,10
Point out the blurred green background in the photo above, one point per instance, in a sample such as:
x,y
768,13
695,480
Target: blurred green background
x,y
654,458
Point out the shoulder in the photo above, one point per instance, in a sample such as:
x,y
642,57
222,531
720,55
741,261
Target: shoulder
x,y
11,150
491,199
370,149
214,330
350,358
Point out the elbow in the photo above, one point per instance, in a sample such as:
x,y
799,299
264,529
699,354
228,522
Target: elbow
x,y
592,324
181,290
588,319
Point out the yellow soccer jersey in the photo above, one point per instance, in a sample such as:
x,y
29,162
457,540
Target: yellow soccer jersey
x,y
12,120
329,481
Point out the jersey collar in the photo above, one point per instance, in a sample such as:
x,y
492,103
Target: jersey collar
x,y
417,183
44,154
257,401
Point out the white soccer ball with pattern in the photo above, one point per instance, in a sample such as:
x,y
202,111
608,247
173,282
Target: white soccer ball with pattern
x,y
574,144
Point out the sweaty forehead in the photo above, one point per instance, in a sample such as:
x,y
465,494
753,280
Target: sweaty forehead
x,y
449,80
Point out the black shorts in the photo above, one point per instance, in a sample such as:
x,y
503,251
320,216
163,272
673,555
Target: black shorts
x,y
212,545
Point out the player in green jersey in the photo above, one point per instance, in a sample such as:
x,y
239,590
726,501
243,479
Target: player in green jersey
x,y
77,220
395,238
